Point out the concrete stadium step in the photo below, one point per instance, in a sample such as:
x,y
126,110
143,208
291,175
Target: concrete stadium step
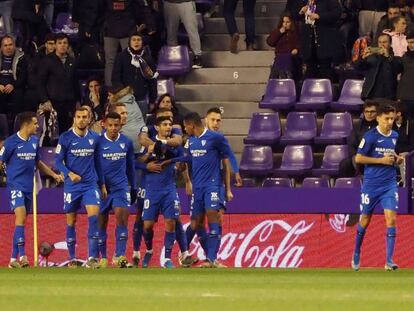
x,y
230,110
239,127
233,75
221,42
264,8
220,92
242,59
236,142
263,25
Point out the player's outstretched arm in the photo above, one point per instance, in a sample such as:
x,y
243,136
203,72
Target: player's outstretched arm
x,y
144,140
224,148
48,171
175,141
385,160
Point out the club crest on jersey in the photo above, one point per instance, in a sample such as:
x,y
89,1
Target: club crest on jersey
x,y
203,142
91,142
122,145
394,141
34,146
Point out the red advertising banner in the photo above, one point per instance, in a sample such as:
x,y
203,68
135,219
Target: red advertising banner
x,y
259,240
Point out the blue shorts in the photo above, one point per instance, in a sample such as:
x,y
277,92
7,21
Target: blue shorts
x,y
207,198
73,201
119,198
388,198
165,202
18,198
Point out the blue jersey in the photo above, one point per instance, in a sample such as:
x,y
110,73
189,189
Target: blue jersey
x,y
20,157
78,154
117,162
152,132
376,145
207,152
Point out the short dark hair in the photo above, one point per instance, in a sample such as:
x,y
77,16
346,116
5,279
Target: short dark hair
x,y
159,120
83,108
193,117
160,99
370,103
26,117
50,37
61,36
410,35
385,108
113,115
394,5
161,110
6,37
214,110
112,107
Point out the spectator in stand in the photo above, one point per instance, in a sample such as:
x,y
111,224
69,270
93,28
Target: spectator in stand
x,y
386,21
125,97
31,95
58,84
95,124
293,7
184,11
89,15
229,9
6,12
348,24
382,70
13,76
49,7
410,17
403,126
371,12
348,166
397,34
166,101
285,39
95,97
122,17
319,37
405,92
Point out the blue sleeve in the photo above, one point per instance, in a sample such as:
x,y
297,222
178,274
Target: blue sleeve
x,y
131,166
6,151
184,154
226,152
365,145
176,131
98,164
60,157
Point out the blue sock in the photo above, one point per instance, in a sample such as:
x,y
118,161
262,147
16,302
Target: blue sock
x,y
148,236
359,239
93,236
219,238
213,240
391,233
203,239
71,241
137,235
18,242
103,236
169,239
121,235
190,233
181,236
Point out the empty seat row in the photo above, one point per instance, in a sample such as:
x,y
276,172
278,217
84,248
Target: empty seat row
x,y
316,94
297,160
308,182
301,128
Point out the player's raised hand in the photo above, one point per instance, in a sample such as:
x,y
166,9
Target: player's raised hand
x,y
58,178
399,159
388,159
74,177
154,167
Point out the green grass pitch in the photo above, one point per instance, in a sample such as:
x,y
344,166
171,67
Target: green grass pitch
x,y
197,289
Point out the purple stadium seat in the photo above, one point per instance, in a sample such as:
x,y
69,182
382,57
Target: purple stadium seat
x,y
4,127
296,161
333,155
277,182
256,160
336,127
300,128
182,33
249,182
264,129
280,94
47,155
316,94
165,86
348,182
315,182
174,60
350,99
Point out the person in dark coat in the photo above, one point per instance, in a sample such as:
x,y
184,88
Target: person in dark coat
x,y
134,67
58,84
405,90
385,22
319,37
90,17
382,70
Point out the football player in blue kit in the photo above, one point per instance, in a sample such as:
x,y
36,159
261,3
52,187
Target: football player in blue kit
x,y
377,152
116,154
20,155
77,159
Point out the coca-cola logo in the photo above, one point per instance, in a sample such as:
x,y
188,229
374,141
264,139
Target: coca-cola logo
x,y
270,244
338,222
